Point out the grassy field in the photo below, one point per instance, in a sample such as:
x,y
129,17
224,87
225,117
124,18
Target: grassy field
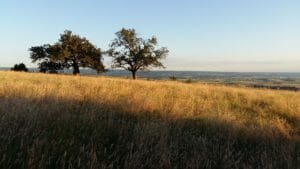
x,y
59,121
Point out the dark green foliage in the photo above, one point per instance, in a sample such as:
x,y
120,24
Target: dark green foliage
x,y
20,67
50,66
44,56
133,53
71,51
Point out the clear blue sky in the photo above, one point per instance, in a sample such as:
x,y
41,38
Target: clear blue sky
x,y
213,35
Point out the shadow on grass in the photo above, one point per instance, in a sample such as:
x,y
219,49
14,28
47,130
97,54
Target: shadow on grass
x,y
59,133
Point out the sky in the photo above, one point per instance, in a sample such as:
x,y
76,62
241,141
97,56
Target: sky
x,y
204,35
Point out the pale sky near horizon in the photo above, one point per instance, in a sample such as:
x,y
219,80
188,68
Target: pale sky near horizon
x,y
207,35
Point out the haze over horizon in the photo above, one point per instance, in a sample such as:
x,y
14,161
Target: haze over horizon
x,y
216,35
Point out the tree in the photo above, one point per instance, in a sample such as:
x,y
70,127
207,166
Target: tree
x,y
43,54
70,51
133,53
20,67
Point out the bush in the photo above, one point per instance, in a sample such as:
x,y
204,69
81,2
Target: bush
x,y
20,67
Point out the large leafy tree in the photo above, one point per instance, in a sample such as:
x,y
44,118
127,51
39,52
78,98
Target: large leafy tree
x,y
133,53
71,51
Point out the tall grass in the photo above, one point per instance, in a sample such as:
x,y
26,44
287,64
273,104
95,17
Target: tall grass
x,y
58,121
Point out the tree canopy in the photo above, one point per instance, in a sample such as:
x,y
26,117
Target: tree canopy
x,y
71,51
133,53
44,55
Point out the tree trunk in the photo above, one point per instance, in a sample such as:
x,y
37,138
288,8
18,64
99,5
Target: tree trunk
x,y
76,70
133,74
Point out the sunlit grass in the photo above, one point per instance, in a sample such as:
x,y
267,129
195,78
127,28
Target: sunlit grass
x,y
59,121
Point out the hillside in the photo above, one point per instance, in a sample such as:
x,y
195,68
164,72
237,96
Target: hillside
x,y
60,121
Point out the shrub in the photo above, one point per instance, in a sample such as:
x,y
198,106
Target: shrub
x,y
20,67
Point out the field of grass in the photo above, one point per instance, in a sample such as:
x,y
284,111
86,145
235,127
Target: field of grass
x,y
59,121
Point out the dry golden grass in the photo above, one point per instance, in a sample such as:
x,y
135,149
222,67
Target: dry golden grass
x,y
59,121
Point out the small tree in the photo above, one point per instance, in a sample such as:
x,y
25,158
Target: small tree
x,y
133,53
20,67
70,51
